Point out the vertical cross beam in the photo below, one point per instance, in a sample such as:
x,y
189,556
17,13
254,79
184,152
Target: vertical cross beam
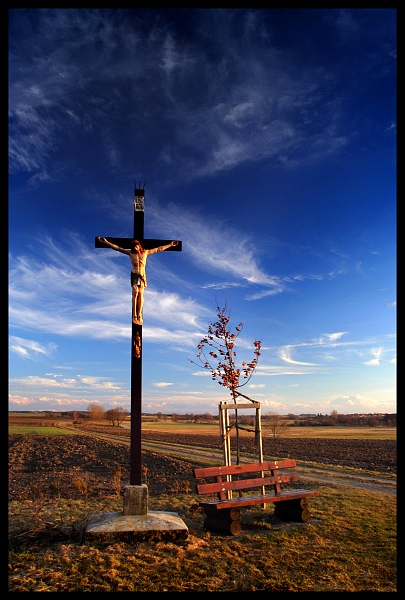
x,y
136,338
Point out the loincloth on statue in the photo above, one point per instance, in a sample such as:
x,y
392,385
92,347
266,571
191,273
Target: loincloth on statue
x,y
137,280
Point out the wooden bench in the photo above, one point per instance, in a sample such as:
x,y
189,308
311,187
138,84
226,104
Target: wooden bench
x,y
223,512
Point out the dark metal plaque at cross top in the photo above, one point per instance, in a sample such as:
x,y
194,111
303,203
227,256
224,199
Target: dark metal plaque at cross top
x,y
136,338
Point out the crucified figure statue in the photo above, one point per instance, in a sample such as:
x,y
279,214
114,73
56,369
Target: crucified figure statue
x,y
138,256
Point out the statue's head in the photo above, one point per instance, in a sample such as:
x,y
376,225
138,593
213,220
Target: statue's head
x,y
135,246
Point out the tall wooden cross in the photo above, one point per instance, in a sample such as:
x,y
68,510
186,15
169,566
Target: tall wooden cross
x,y
136,341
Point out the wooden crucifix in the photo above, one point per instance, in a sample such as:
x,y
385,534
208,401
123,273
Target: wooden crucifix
x,y
138,283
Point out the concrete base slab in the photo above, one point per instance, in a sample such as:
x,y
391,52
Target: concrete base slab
x,y
108,528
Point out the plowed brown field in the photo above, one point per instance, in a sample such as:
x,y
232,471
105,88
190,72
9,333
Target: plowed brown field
x,y
60,462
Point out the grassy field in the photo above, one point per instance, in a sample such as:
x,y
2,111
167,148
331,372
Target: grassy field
x,y
376,433
39,430
348,546
373,433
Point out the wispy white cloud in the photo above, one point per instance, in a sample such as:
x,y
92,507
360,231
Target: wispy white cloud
x,y
223,285
66,382
285,355
253,110
98,383
74,292
29,348
276,370
359,403
374,362
213,247
330,338
162,384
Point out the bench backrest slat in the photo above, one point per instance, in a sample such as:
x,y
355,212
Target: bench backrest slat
x,y
264,474
205,472
244,484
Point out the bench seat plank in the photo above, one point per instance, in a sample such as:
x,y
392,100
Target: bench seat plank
x,y
258,499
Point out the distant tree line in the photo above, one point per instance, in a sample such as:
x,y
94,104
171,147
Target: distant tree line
x,y
95,412
353,420
312,420
118,415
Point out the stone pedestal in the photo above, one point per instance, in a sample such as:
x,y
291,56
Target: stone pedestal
x,y
136,499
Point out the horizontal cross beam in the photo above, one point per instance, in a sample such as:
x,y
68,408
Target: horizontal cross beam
x,y
146,243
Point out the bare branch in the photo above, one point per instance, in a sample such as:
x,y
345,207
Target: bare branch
x,y
220,345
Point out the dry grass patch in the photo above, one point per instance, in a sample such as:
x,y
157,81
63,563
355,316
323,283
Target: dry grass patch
x,y
347,546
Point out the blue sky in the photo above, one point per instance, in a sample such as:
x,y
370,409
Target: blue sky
x,y
267,141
